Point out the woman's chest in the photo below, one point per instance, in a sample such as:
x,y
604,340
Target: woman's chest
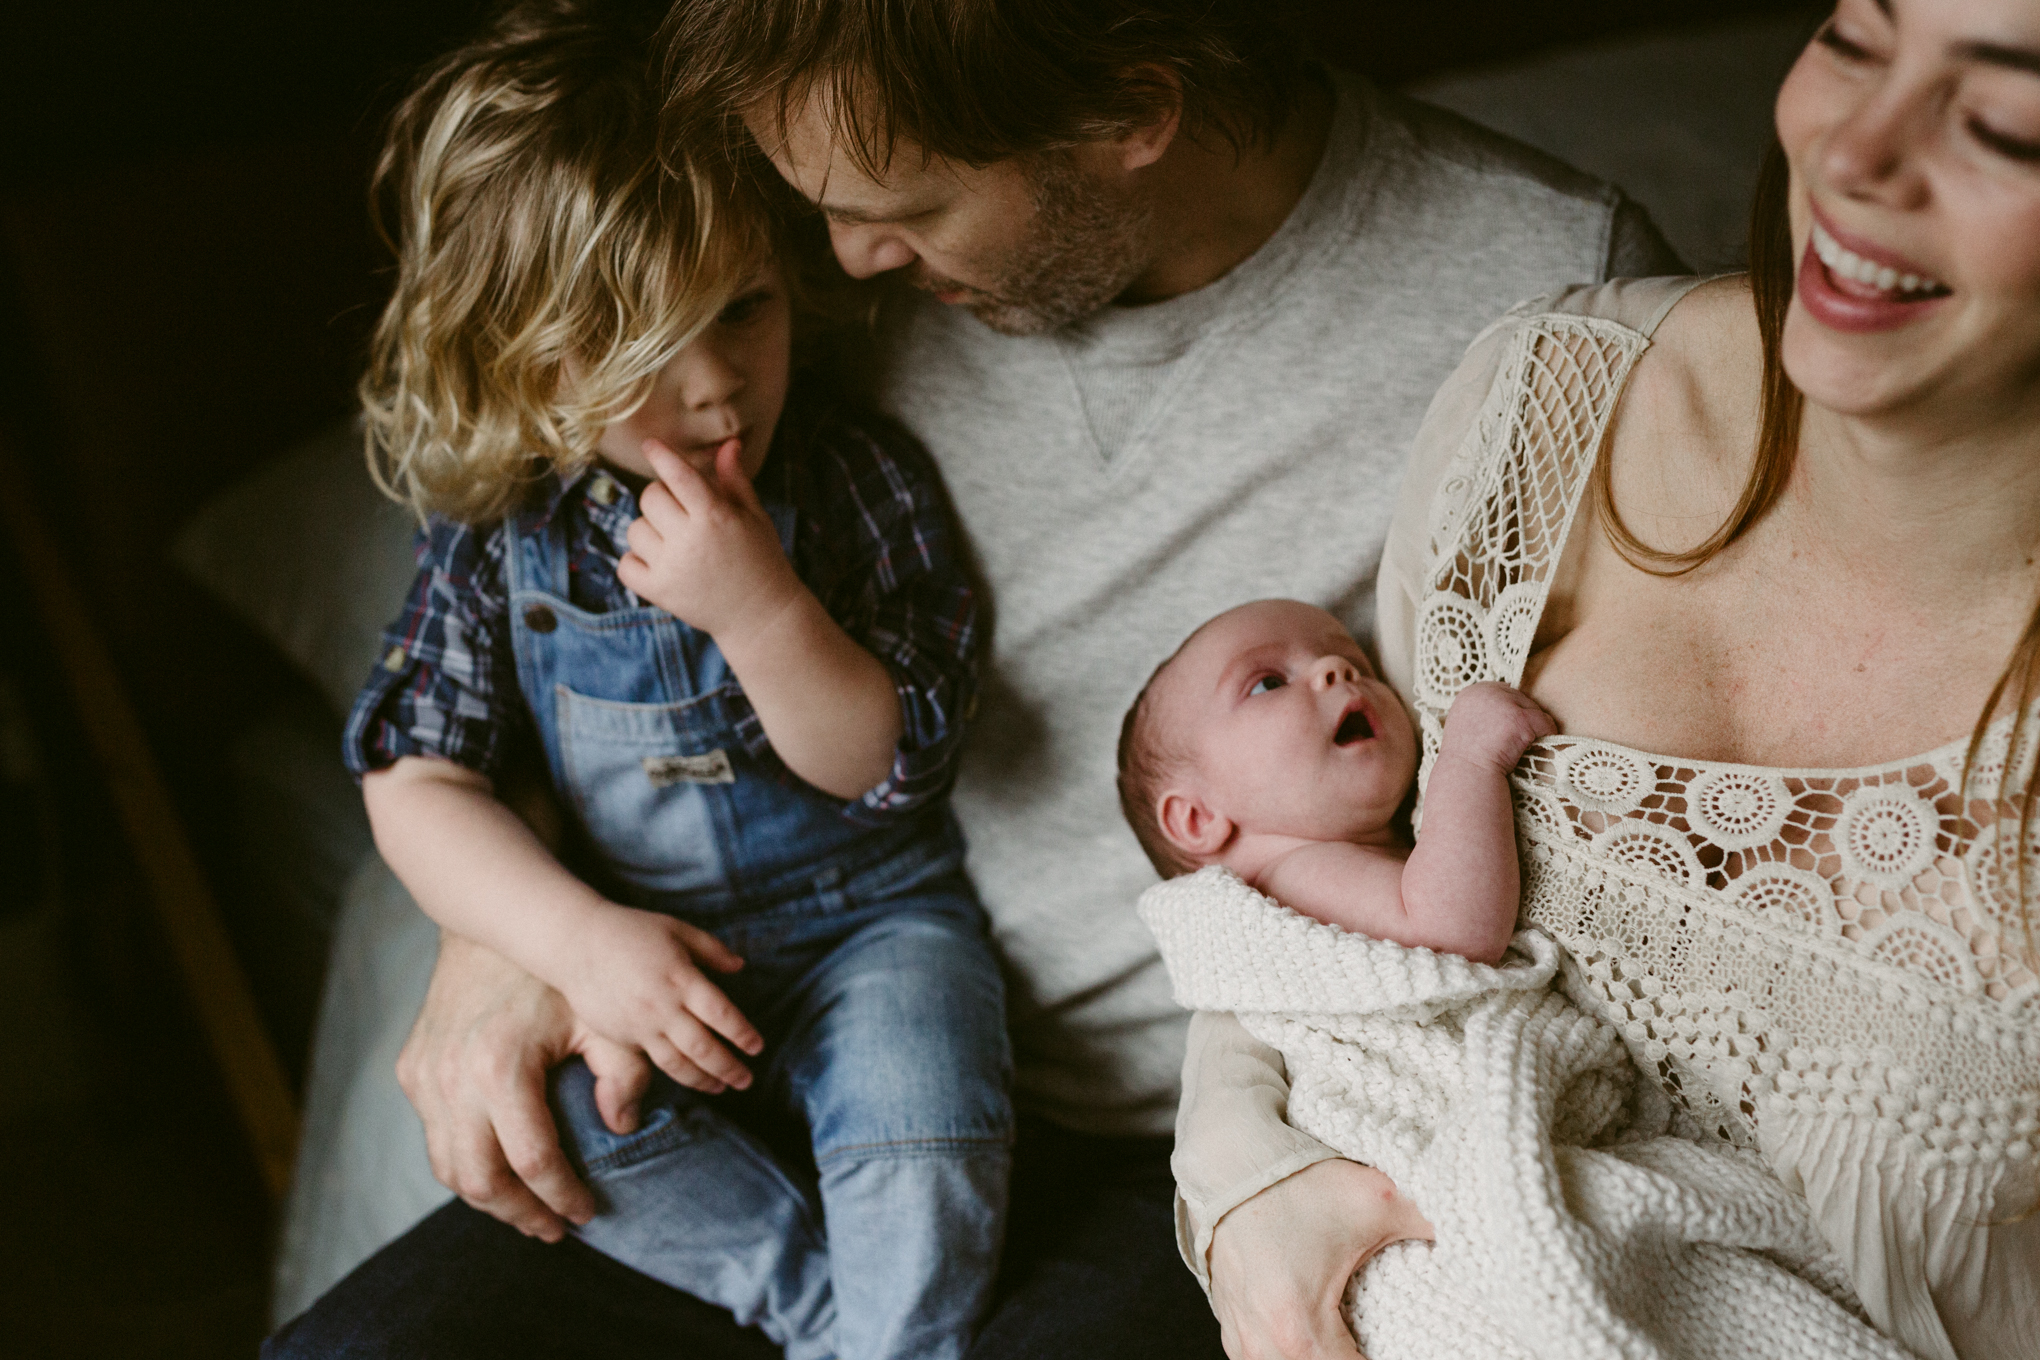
x,y
1759,662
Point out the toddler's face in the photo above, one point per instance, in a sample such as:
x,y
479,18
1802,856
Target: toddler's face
x,y
1287,729
730,382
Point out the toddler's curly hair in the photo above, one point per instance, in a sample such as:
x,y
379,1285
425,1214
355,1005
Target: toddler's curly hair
x,y
543,231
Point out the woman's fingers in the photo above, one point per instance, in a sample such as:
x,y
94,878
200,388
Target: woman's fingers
x,y
1280,1261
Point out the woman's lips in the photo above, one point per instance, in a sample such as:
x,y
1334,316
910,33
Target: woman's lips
x,y
1848,301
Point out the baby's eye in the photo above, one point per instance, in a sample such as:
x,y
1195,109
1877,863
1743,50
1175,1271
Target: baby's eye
x,y
1266,684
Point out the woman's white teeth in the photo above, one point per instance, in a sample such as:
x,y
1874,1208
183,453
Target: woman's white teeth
x,y
1850,265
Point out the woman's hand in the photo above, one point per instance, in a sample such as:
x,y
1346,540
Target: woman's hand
x,y
474,1067
1280,1262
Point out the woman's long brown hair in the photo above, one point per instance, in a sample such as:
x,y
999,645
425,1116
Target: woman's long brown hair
x,y
1771,278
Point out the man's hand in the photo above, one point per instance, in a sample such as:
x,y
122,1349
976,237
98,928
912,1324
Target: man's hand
x,y
1491,724
1280,1262
474,1067
705,550
641,985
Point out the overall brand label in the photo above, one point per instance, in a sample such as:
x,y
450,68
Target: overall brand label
x,y
712,768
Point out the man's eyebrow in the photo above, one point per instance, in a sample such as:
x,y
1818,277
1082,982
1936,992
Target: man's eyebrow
x,y
1997,54
855,216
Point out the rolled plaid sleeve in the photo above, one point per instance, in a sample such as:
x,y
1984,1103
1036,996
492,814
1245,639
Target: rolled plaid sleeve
x,y
905,596
446,683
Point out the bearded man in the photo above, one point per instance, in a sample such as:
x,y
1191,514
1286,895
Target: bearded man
x,y
1184,298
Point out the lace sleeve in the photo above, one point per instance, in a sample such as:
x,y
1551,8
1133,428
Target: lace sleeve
x,y
1446,440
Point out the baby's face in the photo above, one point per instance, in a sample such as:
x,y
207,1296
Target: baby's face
x,y
1287,729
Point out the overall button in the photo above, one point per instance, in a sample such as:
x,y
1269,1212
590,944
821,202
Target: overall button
x,y
540,619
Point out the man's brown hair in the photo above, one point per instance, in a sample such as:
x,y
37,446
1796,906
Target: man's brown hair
x,y
979,81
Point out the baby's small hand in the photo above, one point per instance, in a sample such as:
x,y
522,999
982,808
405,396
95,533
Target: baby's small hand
x,y
703,549
638,980
1495,724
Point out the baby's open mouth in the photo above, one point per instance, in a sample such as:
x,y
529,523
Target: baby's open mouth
x,y
1353,727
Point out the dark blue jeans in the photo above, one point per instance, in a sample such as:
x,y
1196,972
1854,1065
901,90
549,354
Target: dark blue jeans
x,y
1090,1270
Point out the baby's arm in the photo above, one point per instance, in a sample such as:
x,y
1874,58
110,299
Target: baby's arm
x,y
1457,892
707,553
1465,865
633,976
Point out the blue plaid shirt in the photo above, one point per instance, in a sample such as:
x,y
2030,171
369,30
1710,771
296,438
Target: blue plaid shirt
x,y
875,540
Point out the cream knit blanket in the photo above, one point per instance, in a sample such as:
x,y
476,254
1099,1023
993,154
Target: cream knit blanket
x,y
1566,1227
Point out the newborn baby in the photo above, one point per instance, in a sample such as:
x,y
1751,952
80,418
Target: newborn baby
x,y
1268,746
1265,760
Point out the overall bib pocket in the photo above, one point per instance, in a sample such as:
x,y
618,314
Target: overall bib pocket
x,y
652,784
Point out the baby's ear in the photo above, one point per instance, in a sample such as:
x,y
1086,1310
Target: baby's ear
x,y
1189,824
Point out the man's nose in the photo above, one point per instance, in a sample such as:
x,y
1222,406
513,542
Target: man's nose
x,y
864,250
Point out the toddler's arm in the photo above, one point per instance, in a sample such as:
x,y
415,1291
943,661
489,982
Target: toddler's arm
x,y
707,553
632,976
1458,891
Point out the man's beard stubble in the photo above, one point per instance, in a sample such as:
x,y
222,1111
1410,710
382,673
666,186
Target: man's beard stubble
x,y
1086,249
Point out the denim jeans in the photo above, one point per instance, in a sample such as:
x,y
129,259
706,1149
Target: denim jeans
x,y
886,1048
1090,1270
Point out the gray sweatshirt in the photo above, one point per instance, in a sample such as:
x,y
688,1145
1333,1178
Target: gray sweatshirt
x,y
1128,477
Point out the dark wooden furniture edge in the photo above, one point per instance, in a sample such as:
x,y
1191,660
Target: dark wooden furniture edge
x,y
182,902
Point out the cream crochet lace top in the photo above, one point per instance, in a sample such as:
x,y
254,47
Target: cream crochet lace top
x,y
1825,965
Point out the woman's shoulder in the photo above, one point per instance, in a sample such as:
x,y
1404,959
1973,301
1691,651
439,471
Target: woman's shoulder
x,y
1685,429
1639,305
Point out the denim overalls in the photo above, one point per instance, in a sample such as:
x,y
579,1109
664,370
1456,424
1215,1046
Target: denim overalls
x,y
866,969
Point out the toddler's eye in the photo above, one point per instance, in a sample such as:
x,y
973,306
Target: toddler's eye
x,y
1266,684
744,308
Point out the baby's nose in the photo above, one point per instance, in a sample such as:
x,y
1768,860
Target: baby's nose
x,y
1331,670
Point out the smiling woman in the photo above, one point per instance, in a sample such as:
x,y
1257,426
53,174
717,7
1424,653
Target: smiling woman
x,y
1769,550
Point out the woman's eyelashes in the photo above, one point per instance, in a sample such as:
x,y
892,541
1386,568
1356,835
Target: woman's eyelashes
x,y
1834,40
2015,148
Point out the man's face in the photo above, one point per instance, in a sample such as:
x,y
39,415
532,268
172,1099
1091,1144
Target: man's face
x,y
1028,244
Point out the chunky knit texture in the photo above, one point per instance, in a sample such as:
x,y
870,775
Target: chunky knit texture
x,y
1568,1224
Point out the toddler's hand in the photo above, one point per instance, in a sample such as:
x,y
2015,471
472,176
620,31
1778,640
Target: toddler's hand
x,y
705,551
638,981
1494,724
